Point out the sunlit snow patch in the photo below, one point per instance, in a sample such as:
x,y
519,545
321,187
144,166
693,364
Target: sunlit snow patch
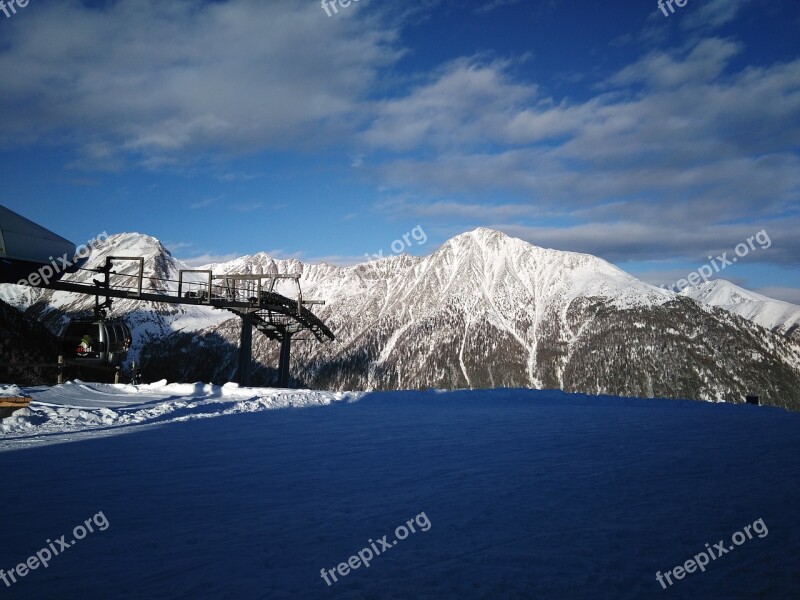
x,y
78,410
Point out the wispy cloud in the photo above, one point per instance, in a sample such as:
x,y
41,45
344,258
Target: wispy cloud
x,y
207,259
174,247
452,209
82,182
712,14
238,176
485,7
246,207
204,203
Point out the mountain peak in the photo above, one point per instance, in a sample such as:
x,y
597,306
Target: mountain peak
x,y
721,292
775,315
482,234
134,243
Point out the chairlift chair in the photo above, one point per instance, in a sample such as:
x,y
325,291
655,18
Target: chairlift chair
x,y
96,342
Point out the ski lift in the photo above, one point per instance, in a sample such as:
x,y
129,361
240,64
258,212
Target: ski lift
x,y
96,342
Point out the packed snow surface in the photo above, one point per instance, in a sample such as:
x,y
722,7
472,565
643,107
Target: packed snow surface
x,y
78,410
525,493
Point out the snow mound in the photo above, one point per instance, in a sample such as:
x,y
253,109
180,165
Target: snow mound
x,y
9,390
78,410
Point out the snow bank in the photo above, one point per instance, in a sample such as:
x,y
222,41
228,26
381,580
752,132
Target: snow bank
x,y
9,390
57,413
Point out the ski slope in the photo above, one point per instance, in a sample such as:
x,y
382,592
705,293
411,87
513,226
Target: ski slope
x,y
240,493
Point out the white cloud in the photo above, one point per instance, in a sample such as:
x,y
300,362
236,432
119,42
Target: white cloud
x,y
176,246
204,203
702,63
463,104
400,206
246,207
486,7
713,14
166,81
675,140
207,259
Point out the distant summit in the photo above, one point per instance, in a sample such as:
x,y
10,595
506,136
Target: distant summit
x,y
775,315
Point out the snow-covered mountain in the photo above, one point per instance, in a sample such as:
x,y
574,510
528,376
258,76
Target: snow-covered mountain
x,y
488,310
484,310
775,315
148,320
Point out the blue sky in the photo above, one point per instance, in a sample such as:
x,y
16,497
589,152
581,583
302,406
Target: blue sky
x,y
226,128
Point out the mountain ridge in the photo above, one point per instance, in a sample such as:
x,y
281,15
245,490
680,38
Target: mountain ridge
x,y
775,315
483,310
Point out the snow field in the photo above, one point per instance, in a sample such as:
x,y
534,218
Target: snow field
x,y
533,494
